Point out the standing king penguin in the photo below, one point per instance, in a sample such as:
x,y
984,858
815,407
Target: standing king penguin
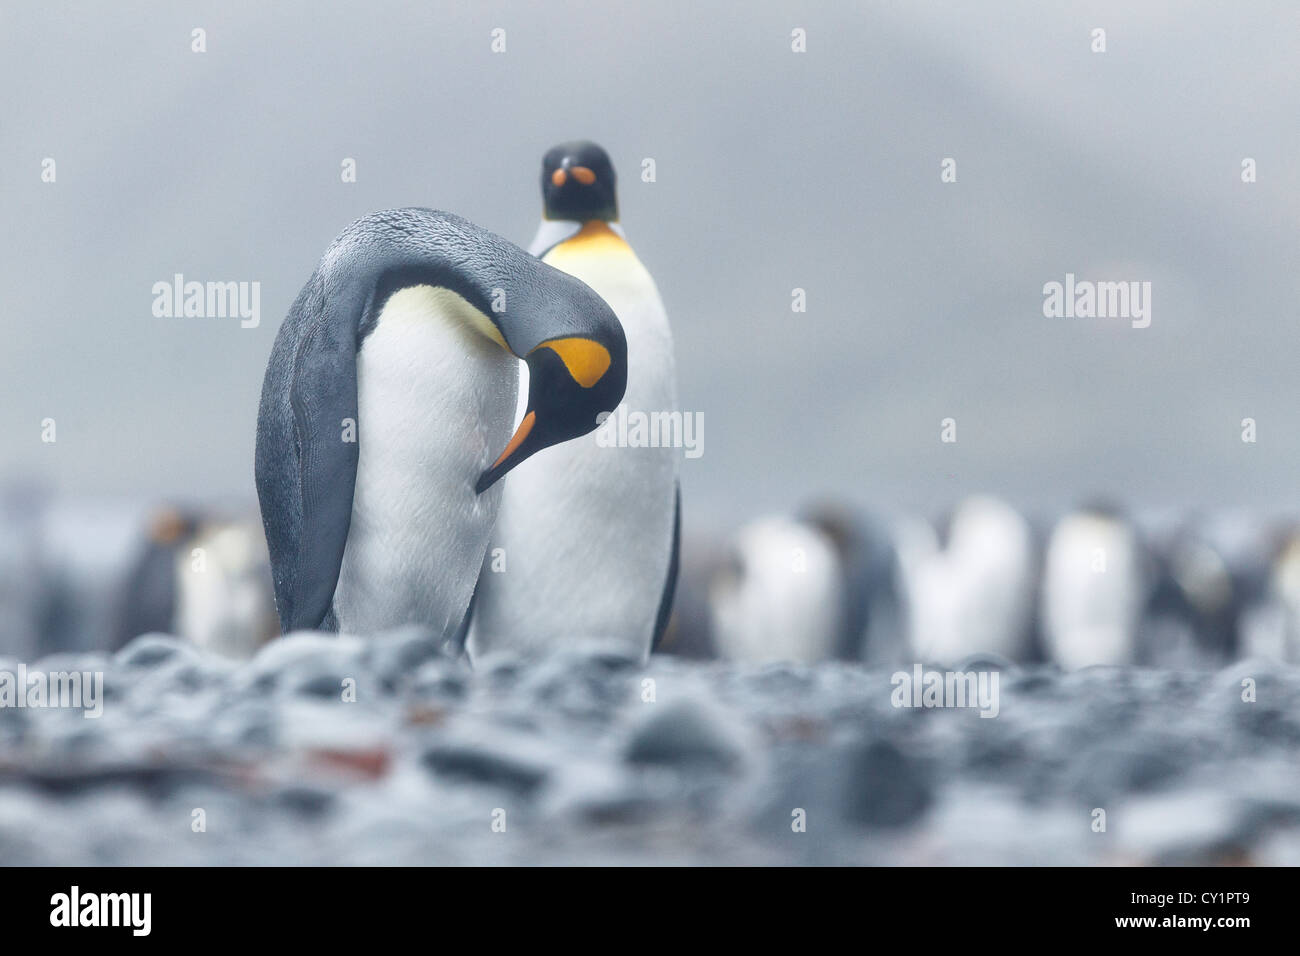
x,y
386,409
588,536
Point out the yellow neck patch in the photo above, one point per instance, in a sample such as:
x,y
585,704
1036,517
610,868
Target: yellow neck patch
x,y
587,361
418,303
594,238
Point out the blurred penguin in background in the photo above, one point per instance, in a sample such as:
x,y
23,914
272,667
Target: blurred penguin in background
x,y
974,593
148,599
83,546
871,626
1094,589
689,632
780,596
819,586
206,579
1191,614
1270,625
225,601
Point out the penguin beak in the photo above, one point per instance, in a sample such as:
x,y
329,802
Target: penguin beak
x,y
567,387
512,455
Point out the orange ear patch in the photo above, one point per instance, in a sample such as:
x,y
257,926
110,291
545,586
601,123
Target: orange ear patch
x,y
587,361
558,177
583,175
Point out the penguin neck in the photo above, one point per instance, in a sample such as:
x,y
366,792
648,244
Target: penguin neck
x,y
429,292
408,248
553,232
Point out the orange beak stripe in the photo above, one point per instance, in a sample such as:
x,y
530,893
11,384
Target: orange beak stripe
x,y
521,433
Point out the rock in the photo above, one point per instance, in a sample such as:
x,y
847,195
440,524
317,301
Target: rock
x,y
1041,681
396,655
722,769
304,800
500,671
439,680
245,724
481,765
152,650
1112,768
684,736
883,787
311,664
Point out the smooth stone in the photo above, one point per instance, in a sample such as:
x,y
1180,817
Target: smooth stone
x,y
152,650
302,663
883,786
682,735
1111,769
440,680
396,655
478,764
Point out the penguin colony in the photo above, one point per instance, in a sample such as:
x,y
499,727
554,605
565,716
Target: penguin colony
x,y
385,436
1095,588
1089,587
424,456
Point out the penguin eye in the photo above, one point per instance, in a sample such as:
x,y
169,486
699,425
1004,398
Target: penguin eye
x,y
583,175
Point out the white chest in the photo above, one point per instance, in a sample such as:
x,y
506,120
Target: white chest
x,y
434,400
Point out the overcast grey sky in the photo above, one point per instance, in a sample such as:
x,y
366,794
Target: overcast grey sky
x,y
776,170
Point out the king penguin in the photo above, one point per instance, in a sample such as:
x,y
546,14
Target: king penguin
x,y
586,543
781,596
974,594
1095,582
386,410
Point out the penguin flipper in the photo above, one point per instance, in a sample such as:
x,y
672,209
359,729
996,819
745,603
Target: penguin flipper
x,y
306,463
670,584
324,397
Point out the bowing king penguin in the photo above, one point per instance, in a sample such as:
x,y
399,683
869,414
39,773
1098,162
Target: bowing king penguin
x,y
586,542
386,411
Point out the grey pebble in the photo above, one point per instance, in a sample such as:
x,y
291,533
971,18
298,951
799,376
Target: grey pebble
x,y
151,650
884,787
481,765
682,735
726,755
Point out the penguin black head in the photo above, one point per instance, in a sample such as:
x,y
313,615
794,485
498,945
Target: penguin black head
x,y
571,381
575,372
578,183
